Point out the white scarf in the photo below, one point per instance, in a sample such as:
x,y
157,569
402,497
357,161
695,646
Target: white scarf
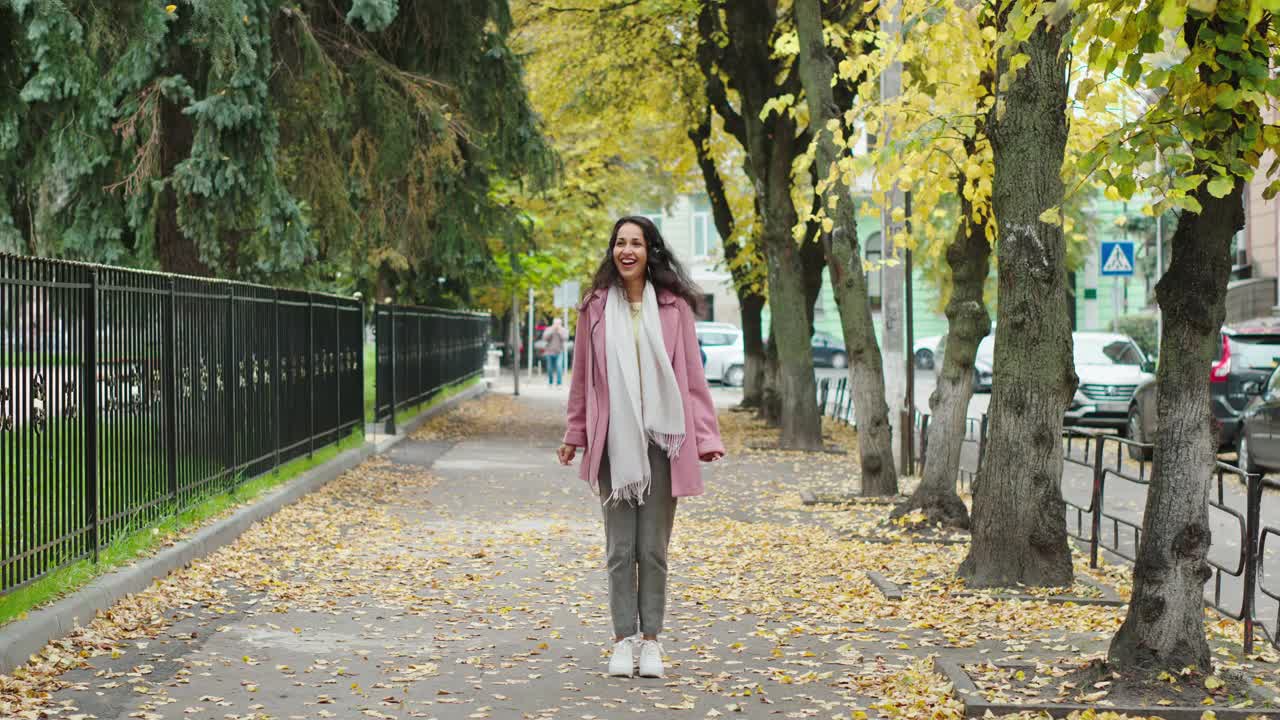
x,y
635,419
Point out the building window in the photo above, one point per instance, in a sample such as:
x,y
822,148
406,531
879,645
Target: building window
x,y
708,309
705,238
873,276
656,218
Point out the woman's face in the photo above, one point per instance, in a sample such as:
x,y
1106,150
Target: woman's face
x,y
630,252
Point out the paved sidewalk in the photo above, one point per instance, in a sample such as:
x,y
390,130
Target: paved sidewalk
x,y
461,577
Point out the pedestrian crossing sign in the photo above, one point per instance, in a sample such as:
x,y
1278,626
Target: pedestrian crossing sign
x,y
1116,258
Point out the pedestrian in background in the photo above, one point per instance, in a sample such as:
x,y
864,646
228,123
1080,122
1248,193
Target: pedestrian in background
x,y
554,339
640,407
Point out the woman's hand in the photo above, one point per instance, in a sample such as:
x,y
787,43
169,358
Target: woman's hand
x,y
566,454
712,456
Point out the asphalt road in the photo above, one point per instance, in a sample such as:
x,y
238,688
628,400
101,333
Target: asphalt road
x,y
925,381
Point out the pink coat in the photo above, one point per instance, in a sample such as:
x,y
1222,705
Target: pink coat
x,y
588,412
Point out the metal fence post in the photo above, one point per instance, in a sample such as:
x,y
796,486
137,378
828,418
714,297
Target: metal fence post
x,y
337,370
360,370
278,386
904,444
1252,528
924,442
1095,523
232,383
311,375
90,385
982,442
420,351
391,322
171,390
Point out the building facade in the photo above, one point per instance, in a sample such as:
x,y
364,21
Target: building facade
x,y
690,233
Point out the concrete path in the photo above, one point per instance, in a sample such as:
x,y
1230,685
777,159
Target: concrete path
x,y
461,576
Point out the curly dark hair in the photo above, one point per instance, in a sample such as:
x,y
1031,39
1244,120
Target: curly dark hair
x,y
662,267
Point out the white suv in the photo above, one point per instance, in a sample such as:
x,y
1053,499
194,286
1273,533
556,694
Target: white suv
x,y
722,343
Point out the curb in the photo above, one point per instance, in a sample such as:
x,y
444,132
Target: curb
x,y
977,706
888,588
21,639
893,592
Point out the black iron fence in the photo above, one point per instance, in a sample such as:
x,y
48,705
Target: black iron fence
x,y
1107,501
421,351
1104,485
835,400
127,395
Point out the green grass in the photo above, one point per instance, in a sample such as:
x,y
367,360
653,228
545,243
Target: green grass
x,y
140,541
406,414
28,359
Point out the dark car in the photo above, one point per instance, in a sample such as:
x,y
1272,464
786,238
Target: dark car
x,y
1259,446
828,351
983,361
1246,356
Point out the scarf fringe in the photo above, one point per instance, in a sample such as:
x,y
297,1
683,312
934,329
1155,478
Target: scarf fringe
x,y
669,442
633,493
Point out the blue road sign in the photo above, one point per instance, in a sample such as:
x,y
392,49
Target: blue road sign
x,y
1116,258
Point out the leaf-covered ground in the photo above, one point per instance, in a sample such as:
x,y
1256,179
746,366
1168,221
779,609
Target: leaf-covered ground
x,y
461,576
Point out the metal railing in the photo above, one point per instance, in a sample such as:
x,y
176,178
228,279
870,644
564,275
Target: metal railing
x,y
421,351
835,401
126,396
1237,553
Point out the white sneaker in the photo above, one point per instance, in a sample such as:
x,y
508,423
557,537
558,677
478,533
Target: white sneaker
x,y
623,661
650,659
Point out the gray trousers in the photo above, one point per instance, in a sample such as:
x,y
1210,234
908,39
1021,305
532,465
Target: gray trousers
x,y
636,539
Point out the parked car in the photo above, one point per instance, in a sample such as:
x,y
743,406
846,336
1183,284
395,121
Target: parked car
x,y
1259,445
1110,367
926,351
726,355
983,361
829,351
1247,354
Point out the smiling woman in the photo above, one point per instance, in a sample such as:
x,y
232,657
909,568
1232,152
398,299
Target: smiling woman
x,y
638,399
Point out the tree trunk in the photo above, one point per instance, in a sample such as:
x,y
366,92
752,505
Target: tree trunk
x,y
968,321
750,300
1164,627
176,251
770,144
801,426
813,262
844,263
771,393
1019,522
753,350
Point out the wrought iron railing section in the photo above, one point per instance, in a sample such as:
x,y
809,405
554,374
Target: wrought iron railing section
x,y
421,351
128,395
1095,463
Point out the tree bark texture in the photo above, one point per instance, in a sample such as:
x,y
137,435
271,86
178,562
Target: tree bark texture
x,y
968,321
770,145
1019,532
753,350
844,264
1164,626
750,301
176,252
